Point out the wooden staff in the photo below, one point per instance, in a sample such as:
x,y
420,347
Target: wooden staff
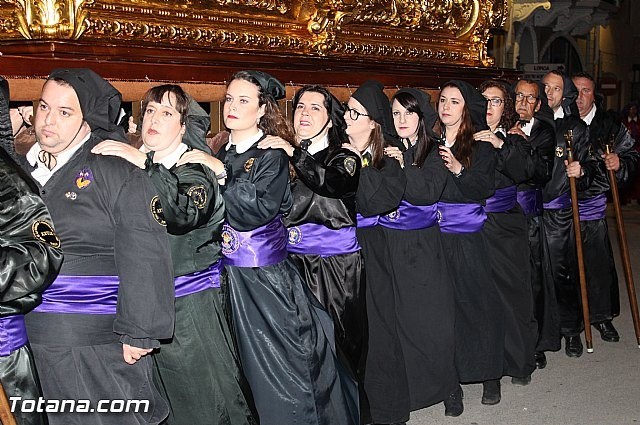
x,y
624,251
576,227
6,417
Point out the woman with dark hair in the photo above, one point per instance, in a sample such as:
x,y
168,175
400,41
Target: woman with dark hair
x,y
419,308
284,336
321,223
506,232
198,368
370,129
479,329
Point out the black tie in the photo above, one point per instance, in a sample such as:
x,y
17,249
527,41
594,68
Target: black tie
x,y
48,159
523,122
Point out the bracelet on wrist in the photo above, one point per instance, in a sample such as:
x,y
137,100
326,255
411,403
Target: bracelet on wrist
x,y
458,174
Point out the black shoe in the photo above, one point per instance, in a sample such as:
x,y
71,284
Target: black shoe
x,y
607,331
541,360
573,346
491,392
521,381
453,404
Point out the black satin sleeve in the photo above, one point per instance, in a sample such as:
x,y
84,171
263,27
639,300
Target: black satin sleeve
x,y
477,182
256,194
189,195
380,191
29,248
425,184
145,312
336,177
538,168
512,160
584,154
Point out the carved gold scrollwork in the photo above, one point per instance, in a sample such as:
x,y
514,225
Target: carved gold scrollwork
x,y
279,5
46,19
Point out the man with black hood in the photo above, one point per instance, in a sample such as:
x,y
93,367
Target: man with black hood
x,y
113,300
602,279
558,220
30,258
536,126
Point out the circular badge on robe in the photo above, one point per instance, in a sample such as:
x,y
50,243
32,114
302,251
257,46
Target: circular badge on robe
x,y
249,164
394,215
230,240
44,232
295,235
439,215
199,196
559,151
156,211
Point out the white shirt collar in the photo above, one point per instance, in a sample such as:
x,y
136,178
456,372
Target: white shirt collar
x,y
171,159
559,113
589,117
243,146
526,129
501,131
629,119
42,174
318,145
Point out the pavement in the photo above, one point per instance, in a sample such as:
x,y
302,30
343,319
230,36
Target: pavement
x,y
599,388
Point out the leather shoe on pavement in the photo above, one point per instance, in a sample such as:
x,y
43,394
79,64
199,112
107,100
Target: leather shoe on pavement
x,y
607,331
491,392
541,360
573,346
453,404
515,380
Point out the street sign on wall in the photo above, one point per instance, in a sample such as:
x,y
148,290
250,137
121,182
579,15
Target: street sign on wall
x,y
535,71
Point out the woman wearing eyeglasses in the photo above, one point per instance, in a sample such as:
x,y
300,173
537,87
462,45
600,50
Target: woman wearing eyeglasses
x,y
322,222
419,299
479,330
284,335
370,130
506,232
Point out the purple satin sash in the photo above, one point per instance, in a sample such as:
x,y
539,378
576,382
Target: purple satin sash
x,y
264,246
503,200
560,203
13,334
593,209
364,222
531,201
199,281
317,239
81,295
411,217
460,218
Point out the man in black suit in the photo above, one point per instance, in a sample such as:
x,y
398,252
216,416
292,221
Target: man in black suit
x,y
602,280
536,126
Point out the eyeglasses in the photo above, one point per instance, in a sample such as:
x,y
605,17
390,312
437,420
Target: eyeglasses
x,y
353,114
495,101
531,99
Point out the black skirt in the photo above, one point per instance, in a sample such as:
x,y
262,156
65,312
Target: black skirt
x,y
506,235
335,282
286,344
199,370
20,379
479,317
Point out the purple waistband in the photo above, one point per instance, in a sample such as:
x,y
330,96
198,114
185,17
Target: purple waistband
x,y
264,246
560,203
316,239
460,218
13,334
531,201
503,200
364,222
81,295
593,209
411,217
199,281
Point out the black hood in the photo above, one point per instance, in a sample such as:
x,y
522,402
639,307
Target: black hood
x,y
99,101
197,126
475,102
371,95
